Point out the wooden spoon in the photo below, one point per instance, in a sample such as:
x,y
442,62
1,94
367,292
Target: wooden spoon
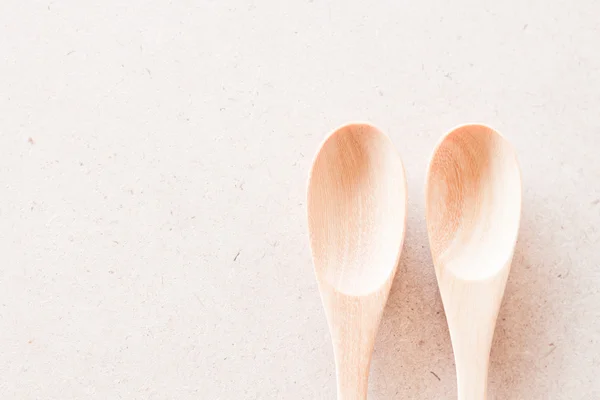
x,y
473,209
356,218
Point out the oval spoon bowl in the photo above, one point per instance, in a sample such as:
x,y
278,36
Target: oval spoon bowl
x,y
475,177
357,209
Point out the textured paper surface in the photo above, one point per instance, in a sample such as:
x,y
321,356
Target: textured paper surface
x,y
153,169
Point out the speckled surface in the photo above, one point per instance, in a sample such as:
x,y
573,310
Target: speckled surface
x,y
153,169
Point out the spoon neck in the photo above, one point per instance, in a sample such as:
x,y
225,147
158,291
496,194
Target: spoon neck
x,y
353,343
472,385
353,349
471,311
471,344
353,323
352,378
472,365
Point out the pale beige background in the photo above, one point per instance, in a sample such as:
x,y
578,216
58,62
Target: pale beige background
x,y
153,158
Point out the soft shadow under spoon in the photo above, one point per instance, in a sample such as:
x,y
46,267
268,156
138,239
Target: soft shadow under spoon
x,y
356,219
473,209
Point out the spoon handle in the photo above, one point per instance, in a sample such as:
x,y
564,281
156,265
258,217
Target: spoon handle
x,y
471,310
471,355
353,332
352,371
353,343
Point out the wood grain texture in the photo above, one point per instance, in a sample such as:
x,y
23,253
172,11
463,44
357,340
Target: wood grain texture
x,y
473,207
356,216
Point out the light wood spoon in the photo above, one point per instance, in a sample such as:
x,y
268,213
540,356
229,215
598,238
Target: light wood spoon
x,y
473,210
356,219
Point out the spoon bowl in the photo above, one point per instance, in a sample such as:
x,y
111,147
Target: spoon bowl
x,y
473,209
356,218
